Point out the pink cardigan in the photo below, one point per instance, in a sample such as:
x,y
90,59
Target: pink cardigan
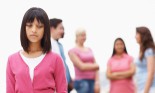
x,y
49,75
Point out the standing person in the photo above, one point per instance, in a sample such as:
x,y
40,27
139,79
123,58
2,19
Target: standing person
x,y
86,68
35,69
146,61
121,69
57,32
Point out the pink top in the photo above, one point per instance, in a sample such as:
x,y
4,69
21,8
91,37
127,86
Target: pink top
x,y
117,65
86,57
49,75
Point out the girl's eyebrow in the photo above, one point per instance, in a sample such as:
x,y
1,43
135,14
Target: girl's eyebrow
x,y
39,23
28,23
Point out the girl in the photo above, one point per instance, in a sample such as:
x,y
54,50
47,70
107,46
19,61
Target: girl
x,y
35,69
121,69
146,61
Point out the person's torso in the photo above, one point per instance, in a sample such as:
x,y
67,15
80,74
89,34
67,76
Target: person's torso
x,y
43,80
141,71
55,46
32,62
86,57
119,65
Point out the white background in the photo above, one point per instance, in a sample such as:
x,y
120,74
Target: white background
x,y
104,21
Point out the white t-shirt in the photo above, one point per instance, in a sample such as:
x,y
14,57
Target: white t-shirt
x,y
32,63
55,46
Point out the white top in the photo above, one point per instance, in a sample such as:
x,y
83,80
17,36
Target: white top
x,y
55,46
32,63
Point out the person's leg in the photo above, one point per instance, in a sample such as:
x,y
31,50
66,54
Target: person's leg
x,y
70,86
69,90
81,86
91,86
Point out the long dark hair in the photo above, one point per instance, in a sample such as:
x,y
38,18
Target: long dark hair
x,y
146,40
42,17
114,51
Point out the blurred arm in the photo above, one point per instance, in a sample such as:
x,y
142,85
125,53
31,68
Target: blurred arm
x,y
81,65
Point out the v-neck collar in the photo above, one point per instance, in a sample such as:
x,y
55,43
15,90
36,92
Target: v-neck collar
x,y
42,61
37,65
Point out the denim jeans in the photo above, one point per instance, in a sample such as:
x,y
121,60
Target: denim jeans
x,y
84,86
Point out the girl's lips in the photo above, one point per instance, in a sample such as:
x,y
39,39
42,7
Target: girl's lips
x,y
33,35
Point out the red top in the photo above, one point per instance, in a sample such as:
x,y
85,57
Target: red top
x,y
86,57
49,75
117,65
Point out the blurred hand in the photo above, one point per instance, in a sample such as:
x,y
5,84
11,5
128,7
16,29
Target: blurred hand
x,y
97,66
115,74
96,87
70,86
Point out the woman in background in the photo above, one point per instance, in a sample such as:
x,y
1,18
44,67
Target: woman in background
x,y
86,68
146,61
120,69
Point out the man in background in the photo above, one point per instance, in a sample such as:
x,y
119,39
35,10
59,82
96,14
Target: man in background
x,y
57,32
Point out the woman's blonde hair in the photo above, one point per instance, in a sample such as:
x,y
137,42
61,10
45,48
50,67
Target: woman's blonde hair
x,y
79,31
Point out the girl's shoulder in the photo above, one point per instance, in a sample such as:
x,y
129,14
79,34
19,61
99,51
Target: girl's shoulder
x,y
149,52
73,50
14,56
128,56
52,54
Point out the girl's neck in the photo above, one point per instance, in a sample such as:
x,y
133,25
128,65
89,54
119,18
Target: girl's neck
x,y
35,47
119,55
80,45
54,37
34,50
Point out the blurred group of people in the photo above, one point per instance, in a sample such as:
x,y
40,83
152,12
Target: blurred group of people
x,y
37,69
121,67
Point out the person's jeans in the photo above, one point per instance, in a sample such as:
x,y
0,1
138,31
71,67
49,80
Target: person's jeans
x,y
84,86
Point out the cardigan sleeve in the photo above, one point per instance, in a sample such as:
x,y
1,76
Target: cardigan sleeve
x,y
10,79
60,76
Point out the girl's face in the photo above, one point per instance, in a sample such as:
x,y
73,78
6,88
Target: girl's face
x,y
138,38
81,37
119,47
34,31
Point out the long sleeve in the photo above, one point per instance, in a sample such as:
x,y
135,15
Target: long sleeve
x,y
60,76
10,80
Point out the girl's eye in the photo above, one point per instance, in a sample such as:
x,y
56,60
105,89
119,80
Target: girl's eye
x,y
29,25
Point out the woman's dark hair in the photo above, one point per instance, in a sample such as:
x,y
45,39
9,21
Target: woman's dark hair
x,y
42,17
146,40
114,51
